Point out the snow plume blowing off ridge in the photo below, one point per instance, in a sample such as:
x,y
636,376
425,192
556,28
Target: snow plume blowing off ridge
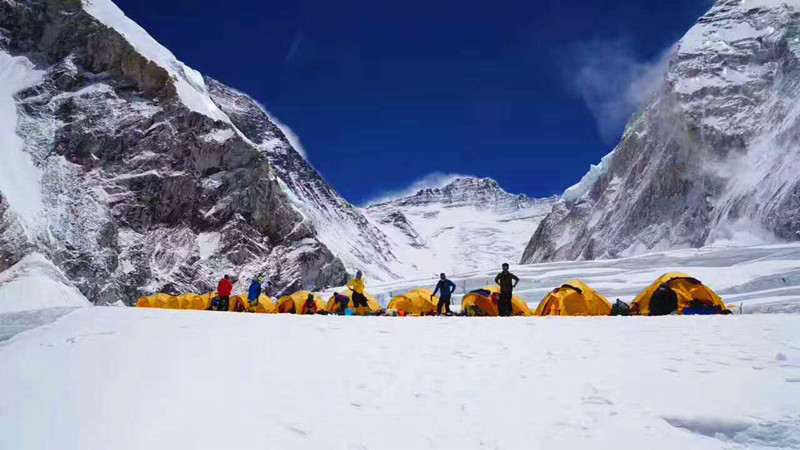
x,y
613,82
429,181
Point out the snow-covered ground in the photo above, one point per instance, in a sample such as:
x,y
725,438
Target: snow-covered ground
x,y
127,378
35,283
760,278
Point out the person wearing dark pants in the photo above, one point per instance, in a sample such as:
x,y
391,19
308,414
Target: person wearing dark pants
x,y
507,281
359,300
224,290
357,286
447,288
224,303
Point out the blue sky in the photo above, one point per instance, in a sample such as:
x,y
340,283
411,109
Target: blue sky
x,y
382,93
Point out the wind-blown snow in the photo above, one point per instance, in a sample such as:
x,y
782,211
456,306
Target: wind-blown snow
x,y
35,283
19,177
279,382
429,181
189,83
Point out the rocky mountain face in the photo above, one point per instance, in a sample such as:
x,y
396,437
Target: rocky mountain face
x,y
133,174
468,224
339,225
713,157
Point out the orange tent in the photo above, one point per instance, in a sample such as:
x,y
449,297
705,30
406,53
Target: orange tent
x,y
483,302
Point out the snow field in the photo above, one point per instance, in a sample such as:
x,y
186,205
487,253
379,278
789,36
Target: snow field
x,y
19,176
128,379
761,278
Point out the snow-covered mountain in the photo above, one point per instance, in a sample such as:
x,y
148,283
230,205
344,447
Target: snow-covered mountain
x,y
468,224
129,172
714,156
339,225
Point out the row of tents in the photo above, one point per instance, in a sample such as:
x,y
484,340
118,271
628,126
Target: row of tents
x,y
240,303
573,298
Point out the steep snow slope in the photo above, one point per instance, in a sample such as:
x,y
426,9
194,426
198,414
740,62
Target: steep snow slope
x,y
35,283
19,178
337,223
468,224
580,383
713,157
123,171
188,82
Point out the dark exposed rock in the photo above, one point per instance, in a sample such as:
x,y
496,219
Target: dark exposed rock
x,y
142,193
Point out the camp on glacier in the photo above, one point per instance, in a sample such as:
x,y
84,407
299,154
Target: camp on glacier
x,y
658,296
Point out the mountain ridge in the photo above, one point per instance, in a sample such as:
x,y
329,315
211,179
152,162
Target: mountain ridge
x,y
712,157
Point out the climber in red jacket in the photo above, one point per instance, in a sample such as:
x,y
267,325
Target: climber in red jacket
x,y
224,290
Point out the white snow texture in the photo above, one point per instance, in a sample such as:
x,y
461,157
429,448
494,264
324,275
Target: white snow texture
x,y
125,378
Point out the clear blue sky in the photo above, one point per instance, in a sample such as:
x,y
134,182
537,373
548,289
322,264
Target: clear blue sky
x,y
382,93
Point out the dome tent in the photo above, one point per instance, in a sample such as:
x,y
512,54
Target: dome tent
x,y
160,300
483,302
372,302
265,305
676,292
193,301
415,302
292,303
239,303
573,298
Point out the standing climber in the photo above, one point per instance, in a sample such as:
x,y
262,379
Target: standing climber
x,y
254,292
507,281
224,290
357,285
447,288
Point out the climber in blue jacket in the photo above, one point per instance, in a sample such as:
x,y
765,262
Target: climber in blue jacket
x,y
447,288
255,290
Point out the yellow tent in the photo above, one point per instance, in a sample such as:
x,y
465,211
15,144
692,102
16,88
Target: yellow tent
x,y
415,302
484,302
208,299
146,302
293,303
265,305
192,301
372,302
164,301
574,298
686,288
239,303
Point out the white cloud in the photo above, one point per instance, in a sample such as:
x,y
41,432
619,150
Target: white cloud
x,y
429,181
613,81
